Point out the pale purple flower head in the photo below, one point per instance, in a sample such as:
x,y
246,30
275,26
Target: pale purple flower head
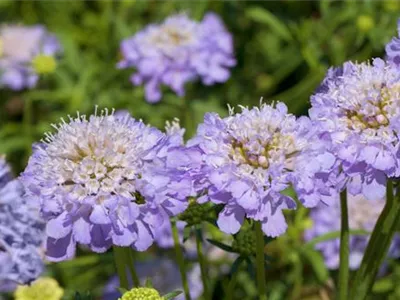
x,y
19,45
102,181
363,214
250,157
357,113
178,51
21,234
393,48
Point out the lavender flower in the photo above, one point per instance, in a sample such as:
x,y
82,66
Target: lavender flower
x,y
358,116
363,214
102,181
21,234
25,52
251,157
178,51
393,48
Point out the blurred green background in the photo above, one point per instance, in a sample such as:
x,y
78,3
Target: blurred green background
x,y
283,49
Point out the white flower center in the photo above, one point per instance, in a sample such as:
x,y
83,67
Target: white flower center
x,y
96,157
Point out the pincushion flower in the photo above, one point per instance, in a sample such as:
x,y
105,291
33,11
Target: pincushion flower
x,y
178,51
357,112
393,48
250,157
102,181
363,214
21,234
25,53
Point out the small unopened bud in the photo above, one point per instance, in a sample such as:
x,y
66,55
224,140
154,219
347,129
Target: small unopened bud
x,y
44,64
365,23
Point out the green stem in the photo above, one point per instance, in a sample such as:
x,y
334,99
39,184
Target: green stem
x,y
261,284
131,267
180,260
27,121
344,248
231,287
378,245
202,262
119,257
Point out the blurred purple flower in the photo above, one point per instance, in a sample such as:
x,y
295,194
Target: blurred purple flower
x,y
357,113
102,181
393,48
178,51
21,234
19,46
363,214
249,158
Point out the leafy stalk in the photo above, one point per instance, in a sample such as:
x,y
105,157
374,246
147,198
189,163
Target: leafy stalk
x,y
378,245
202,262
120,263
180,259
344,248
261,284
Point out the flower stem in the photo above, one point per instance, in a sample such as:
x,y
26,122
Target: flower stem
x,y
344,248
179,258
202,262
119,257
131,266
378,245
261,284
27,122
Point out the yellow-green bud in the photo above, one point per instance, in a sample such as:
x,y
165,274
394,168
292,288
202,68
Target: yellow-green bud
x,y
44,64
44,288
365,23
142,293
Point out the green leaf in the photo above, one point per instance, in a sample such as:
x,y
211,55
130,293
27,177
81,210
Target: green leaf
x,y
172,295
262,15
122,290
221,245
148,283
236,264
317,263
383,285
330,236
187,232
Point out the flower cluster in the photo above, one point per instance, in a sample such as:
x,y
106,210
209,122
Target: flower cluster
x,y
178,51
363,214
103,181
357,112
21,234
250,158
44,288
25,53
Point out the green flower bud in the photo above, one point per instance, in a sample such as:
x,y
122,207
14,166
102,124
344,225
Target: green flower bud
x,y
196,213
44,64
244,242
391,6
365,23
142,293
